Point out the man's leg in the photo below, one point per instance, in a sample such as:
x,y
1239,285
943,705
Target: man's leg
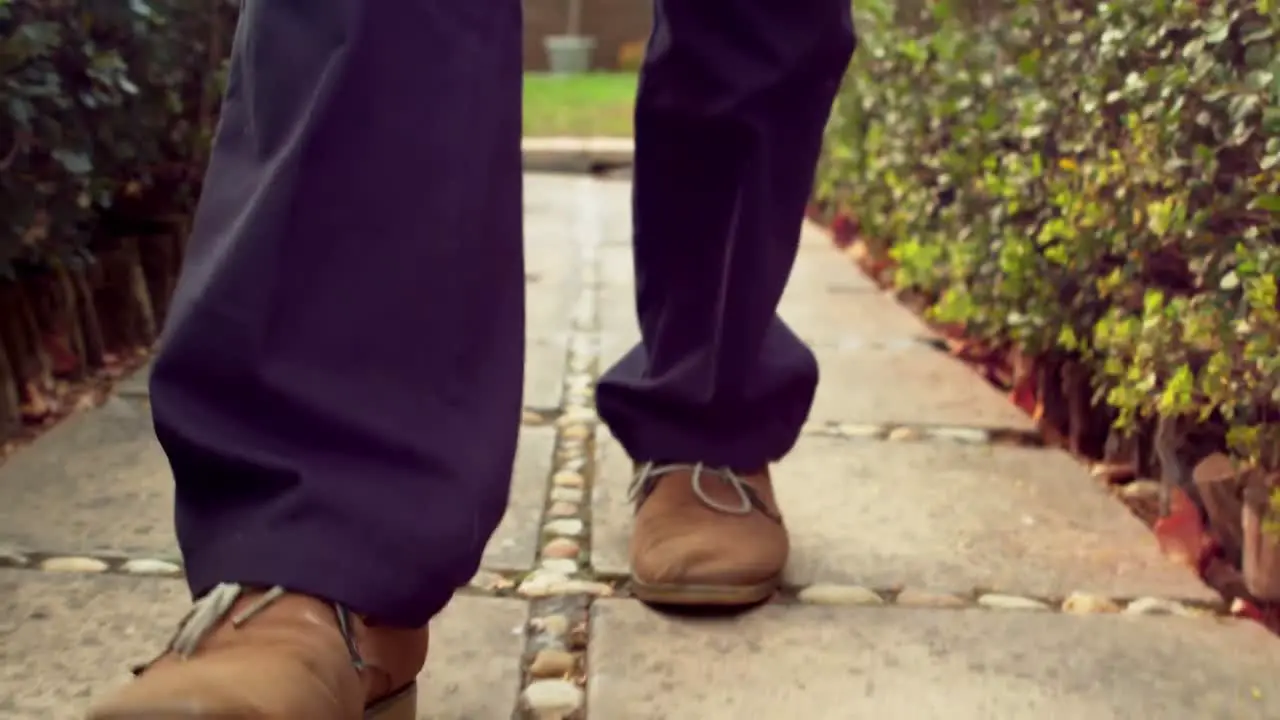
x,y
733,99
338,389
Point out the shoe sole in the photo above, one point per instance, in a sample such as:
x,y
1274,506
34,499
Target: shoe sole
x,y
400,705
703,595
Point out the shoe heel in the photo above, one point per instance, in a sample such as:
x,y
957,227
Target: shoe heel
x,y
400,705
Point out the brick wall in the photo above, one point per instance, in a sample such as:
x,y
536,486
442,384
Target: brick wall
x,y
613,23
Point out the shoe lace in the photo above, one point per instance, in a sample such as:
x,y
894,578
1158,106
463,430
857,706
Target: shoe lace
x,y
748,498
209,611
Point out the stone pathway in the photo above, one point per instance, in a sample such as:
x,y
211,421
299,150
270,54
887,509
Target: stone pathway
x,y
944,566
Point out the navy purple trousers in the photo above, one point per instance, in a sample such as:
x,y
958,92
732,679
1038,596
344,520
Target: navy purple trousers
x,y
338,386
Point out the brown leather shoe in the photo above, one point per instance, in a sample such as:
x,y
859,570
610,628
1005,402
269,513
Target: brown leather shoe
x,y
705,536
244,654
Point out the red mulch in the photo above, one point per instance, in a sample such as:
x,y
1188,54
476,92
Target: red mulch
x,y
43,407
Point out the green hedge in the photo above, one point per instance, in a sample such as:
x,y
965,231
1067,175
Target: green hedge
x,y
1098,181
107,107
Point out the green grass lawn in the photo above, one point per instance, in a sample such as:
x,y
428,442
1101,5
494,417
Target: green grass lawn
x,y
598,104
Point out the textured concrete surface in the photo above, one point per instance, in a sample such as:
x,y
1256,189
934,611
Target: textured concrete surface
x,y
926,514
845,316
552,229
515,544
941,516
136,384
952,517
65,639
913,385
99,484
833,664
473,672
544,372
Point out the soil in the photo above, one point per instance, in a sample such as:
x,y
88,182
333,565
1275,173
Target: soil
x,y
46,408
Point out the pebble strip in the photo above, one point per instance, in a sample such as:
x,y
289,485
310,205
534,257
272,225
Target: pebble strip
x,y
925,433
487,583
99,564
1078,603
560,589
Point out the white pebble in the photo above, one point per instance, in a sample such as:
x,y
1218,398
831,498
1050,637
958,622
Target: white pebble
x,y
539,583
552,699
561,566
1157,606
74,565
901,434
576,431
547,583
553,625
961,435
860,431
1089,604
996,601
147,566
839,595
565,527
566,494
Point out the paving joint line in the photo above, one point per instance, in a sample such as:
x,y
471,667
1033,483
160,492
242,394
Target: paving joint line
x,y
925,432
579,591
553,674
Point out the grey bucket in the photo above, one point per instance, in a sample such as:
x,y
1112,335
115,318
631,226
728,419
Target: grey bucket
x,y
569,54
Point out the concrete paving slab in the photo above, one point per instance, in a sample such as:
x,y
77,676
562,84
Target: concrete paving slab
x,y
552,216
544,371
614,196
851,319
65,639
473,671
619,329
514,546
824,663
96,483
951,517
815,236
617,266
99,484
135,385
936,516
823,268
908,385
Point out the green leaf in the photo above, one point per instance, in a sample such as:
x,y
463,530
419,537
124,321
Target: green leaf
x,y
76,163
1270,203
